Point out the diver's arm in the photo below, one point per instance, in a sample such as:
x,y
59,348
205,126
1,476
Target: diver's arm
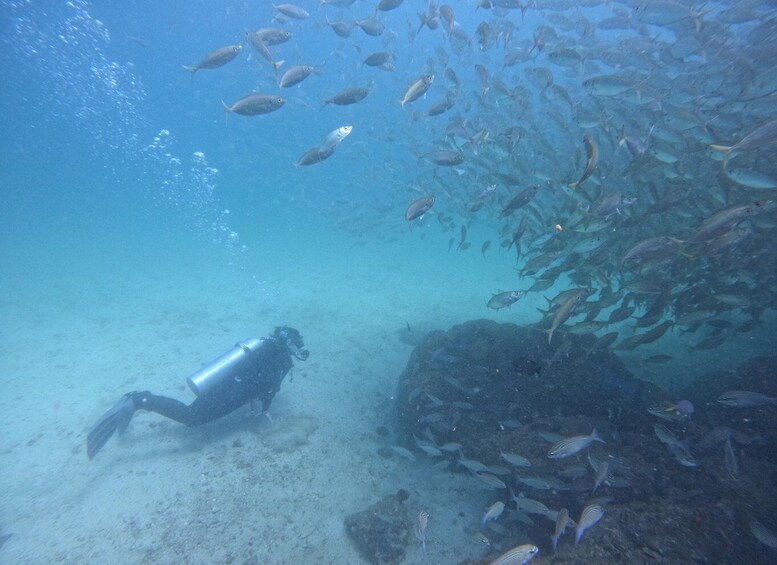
x,y
275,363
266,401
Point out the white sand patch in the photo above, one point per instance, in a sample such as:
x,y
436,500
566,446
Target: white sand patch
x,y
241,489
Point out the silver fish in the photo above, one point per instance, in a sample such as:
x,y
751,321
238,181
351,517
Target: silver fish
x,y
417,89
480,538
745,399
515,460
291,11
567,309
762,136
420,528
678,449
571,445
388,5
550,437
604,86
419,207
343,29
338,3
725,220
379,59
531,506
493,512
270,35
490,480
730,459
535,483
334,137
477,200
473,465
313,156
504,299
667,411
255,104
371,26
449,447
325,149
763,534
562,520
498,470
348,96
517,555
401,451
428,448
593,158
216,59
602,474
751,179
591,515
295,75
519,201
444,157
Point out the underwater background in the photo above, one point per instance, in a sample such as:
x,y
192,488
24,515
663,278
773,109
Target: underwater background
x,y
144,230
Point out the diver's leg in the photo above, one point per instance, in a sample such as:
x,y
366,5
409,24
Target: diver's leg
x,y
164,406
205,408
215,404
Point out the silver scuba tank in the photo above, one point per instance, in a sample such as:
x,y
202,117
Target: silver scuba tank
x,y
232,363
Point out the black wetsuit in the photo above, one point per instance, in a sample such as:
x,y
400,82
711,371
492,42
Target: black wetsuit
x,y
261,379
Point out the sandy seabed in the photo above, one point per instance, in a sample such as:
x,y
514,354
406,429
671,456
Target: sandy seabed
x,y
242,489
85,322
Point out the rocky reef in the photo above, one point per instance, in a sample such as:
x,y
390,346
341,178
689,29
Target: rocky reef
x,y
382,531
482,389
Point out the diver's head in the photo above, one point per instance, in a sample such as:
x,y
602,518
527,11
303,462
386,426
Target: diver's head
x,y
293,341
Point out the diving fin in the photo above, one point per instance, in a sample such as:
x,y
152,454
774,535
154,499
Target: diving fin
x,y
117,418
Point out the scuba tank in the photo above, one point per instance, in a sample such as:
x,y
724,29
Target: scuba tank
x,y
232,363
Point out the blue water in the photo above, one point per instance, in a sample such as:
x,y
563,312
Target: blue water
x,y
141,232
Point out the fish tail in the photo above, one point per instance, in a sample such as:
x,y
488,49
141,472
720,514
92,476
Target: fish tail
x,y
573,184
550,334
596,437
727,152
688,254
190,69
226,111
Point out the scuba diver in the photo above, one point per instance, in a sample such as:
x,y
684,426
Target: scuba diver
x,y
252,370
